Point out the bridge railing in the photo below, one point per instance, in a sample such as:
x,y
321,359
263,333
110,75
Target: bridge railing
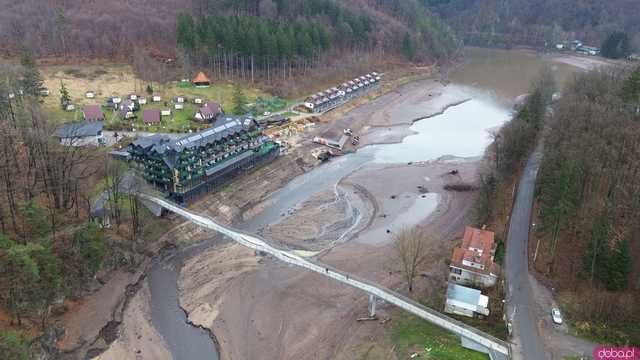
x,y
255,242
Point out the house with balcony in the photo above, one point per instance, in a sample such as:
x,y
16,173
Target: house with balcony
x,y
472,263
193,165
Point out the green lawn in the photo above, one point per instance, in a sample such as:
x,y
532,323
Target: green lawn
x,y
220,92
410,333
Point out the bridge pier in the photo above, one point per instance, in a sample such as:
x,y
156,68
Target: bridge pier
x,y
372,306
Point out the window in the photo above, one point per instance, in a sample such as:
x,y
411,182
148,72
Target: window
x,y
456,271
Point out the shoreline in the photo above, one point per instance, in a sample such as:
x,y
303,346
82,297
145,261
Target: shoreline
x,y
220,329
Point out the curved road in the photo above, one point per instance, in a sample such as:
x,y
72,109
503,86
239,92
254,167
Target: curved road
x,y
496,348
520,300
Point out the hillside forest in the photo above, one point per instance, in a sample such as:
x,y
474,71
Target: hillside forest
x,y
538,23
252,39
589,204
53,246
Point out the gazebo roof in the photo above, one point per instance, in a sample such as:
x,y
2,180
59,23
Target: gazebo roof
x,y
201,78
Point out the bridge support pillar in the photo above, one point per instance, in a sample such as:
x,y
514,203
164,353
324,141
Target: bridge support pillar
x,y
372,306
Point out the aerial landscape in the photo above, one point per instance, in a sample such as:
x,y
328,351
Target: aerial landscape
x,y
320,179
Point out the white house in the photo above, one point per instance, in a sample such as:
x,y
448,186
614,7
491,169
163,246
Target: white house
x,y
472,262
156,98
90,94
466,301
165,112
178,106
142,100
81,134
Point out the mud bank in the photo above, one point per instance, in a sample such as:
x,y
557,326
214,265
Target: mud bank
x,y
348,210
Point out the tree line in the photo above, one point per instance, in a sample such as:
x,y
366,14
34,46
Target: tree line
x,y
50,244
511,146
589,199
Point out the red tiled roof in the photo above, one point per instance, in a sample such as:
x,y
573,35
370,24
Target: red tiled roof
x,y
92,112
477,246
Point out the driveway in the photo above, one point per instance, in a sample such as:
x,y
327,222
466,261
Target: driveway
x,y
529,304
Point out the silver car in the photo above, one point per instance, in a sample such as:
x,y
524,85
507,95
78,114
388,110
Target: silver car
x,y
556,316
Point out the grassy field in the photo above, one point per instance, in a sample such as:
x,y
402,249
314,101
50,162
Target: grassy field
x,y
412,334
119,80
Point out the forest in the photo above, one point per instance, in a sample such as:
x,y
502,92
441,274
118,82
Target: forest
x,y
52,247
231,38
524,22
589,201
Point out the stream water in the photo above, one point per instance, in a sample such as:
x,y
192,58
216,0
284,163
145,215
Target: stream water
x,y
463,130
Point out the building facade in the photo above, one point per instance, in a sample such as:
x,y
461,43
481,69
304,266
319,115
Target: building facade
x,y
466,301
193,165
472,263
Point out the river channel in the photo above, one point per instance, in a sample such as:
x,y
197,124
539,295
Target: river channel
x,y
490,81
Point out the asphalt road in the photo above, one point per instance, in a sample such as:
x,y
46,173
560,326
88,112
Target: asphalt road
x,y
521,303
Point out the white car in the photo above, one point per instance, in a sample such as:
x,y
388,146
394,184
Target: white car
x,y
556,316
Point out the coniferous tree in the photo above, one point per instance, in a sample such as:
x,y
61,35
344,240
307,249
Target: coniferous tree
x,y
32,83
239,100
64,94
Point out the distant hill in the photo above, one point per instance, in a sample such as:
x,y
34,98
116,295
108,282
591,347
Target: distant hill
x,y
528,22
112,29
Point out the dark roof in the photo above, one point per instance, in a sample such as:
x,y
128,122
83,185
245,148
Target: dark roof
x,y
168,148
92,112
80,129
210,110
151,116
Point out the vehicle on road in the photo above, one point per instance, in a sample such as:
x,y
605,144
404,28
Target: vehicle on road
x,y
348,132
556,316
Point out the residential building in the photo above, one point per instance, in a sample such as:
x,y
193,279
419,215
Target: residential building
x,y
81,133
151,116
209,111
472,263
198,163
336,96
93,113
466,301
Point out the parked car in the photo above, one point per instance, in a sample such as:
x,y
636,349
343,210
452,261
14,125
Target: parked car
x,y
556,316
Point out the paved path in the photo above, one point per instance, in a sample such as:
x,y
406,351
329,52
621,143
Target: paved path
x,y
520,302
496,348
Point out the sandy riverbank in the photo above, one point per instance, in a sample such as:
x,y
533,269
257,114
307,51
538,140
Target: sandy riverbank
x,y
138,339
271,311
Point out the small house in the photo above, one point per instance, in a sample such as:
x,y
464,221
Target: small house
x,y
90,94
198,100
44,92
151,116
201,80
178,106
92,113
156,98
133,97
466,301
180,99
209,111
142,100
166,112
68,106
115,99
81,134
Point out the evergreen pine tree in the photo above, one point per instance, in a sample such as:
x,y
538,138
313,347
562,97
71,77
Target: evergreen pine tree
x,y
239,100
618,267
64,94
408,47
32,82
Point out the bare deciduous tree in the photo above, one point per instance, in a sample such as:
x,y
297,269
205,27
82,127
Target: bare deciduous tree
x,y
409,249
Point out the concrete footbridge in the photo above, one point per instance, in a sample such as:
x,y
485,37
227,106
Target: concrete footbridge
x,y
470,337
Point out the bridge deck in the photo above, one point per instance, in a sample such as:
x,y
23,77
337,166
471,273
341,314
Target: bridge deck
x,y
491,343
